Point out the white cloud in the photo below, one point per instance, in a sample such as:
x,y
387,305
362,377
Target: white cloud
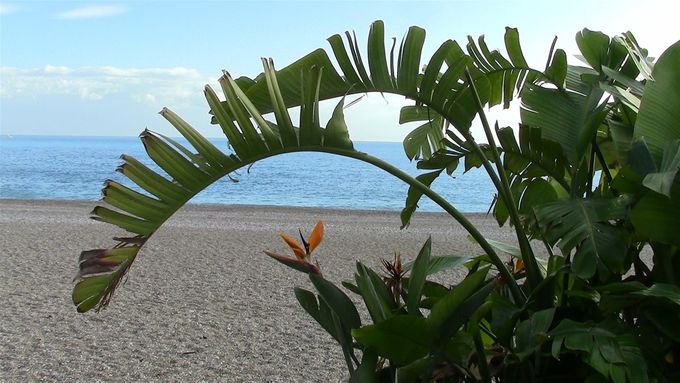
x,y
8,8
141,85
92,11
60,70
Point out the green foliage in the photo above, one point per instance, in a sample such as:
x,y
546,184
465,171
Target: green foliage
x,y
590,175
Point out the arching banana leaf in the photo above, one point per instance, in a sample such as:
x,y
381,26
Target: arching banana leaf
x,y
441,86
193,169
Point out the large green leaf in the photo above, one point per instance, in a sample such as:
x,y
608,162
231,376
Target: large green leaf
x,y
413,197
662,290
533,156
441,263
425,140
375,293
417,278
533,332
606,347
402,339
659,118
315,307
594,47
336,133
584,225
566,117
655,216
337,300
455,308
662,181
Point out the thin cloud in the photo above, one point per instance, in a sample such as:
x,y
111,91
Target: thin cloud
x,y
141,85
90,12
8,8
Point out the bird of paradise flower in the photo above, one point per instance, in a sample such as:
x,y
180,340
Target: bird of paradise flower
x,y
303,254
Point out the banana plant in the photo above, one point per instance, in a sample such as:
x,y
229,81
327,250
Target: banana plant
x,y
452,86
617,116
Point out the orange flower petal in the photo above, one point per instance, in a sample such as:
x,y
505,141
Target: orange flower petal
x,y
316,237
299,251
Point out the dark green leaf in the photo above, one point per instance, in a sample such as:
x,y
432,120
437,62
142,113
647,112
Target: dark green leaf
x,y
309,303
557,70
310,129
286,130
414,371
593,46
655,216
448,305
376,295
337,300
343,60
583,224
234,136
568,118
377,61
124,221
441,263
662,290
665,320
531,333
409,61
450,52
242,108
175,164
662,181
133,202
205,148
140,174
424,141
417,278
658,120
414,196
538,192
336,133
402,339
366,371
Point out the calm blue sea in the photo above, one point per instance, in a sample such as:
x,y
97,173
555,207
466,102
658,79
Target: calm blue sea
x,y
37,167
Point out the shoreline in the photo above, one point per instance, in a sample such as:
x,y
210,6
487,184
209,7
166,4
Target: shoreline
x,y
201,302
202,205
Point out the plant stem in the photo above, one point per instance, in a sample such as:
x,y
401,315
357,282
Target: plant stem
x,y
503,186
481,356
517,293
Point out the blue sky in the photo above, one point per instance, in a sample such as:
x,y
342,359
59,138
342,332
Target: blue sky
x,y
106,68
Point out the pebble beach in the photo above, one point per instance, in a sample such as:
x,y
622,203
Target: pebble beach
x,y
202,302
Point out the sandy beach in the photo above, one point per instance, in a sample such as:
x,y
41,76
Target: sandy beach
x,y
202,302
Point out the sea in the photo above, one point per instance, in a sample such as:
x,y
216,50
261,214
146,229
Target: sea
x,y
74,168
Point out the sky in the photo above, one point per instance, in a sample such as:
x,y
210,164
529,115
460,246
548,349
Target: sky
x,y
105,68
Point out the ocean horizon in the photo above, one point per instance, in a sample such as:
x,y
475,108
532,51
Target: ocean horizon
x,y
75,167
